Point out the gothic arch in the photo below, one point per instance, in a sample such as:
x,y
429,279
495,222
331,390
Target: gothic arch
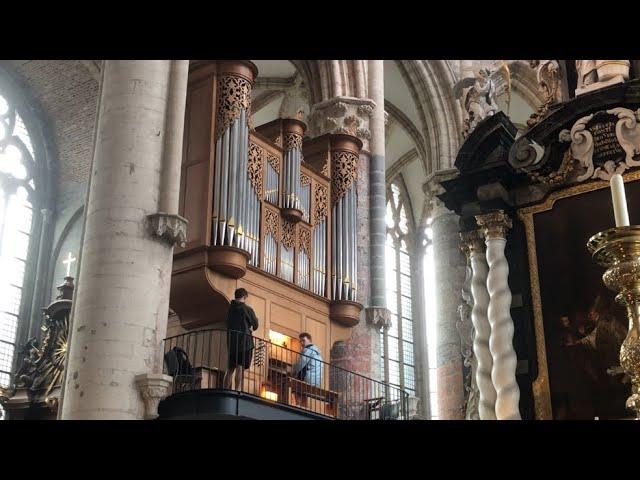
x,y
431,85
333,78
43,162
524,81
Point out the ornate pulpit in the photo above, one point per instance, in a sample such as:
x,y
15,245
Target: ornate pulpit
x,y
551,183
35,388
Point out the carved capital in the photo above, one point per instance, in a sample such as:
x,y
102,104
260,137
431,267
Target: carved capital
x,y
170,228
434,207
412,407
494,225
344,115
153,388
379,317
472,243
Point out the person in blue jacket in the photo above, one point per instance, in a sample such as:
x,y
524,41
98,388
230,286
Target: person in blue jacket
x,y
308,368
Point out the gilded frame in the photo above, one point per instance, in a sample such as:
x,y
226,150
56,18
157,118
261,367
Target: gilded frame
x,y
541,386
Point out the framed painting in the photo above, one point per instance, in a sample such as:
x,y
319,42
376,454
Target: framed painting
x,y
578,326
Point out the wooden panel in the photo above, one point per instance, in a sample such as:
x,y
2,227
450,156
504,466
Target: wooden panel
x,y
197,162
318,331
200,120
259,305
285,317
195,189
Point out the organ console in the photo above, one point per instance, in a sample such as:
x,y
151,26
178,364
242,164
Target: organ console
x,y
261,200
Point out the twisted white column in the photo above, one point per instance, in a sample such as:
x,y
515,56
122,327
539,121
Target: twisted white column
x,y
503,373
479,268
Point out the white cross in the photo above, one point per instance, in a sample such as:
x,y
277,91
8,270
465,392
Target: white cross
x,y
68,261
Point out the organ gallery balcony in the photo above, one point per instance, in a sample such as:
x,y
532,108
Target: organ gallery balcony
x,y
278,383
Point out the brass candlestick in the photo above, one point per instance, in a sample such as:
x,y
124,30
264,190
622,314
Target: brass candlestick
x,y
618,250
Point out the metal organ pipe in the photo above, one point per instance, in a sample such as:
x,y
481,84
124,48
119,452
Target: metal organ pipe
x,y
319,257
345,150
224,182
233,196
292,131
216,192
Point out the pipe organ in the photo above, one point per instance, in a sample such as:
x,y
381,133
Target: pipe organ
x,y
261,199
343,199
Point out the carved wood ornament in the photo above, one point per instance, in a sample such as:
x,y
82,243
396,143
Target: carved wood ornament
x,y
274,162
321,202
254,168
234,94
271,223
288,234
304,241
291,141
344,173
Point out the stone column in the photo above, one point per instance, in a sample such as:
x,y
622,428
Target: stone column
x,y
482,354
377,313
353,116
420,325
121,305
377,187
449,278
503,372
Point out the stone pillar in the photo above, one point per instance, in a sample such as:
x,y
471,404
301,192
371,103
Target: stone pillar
x,y
114,339
377,313
449,278
421,354
503,373
482,354
377,187
352,116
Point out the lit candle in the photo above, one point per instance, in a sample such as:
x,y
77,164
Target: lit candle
x,y
619,201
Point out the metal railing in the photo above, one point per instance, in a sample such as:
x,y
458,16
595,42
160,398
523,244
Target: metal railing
x,y
229,360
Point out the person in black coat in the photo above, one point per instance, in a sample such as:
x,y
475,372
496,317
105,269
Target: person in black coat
x,y
241,319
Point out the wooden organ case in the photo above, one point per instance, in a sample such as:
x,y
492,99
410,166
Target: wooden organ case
x,y
266,212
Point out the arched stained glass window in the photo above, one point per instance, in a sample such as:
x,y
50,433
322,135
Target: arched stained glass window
x,y
17,191
398,360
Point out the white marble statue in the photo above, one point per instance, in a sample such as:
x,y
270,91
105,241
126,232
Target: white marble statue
x,y
480,98
295,103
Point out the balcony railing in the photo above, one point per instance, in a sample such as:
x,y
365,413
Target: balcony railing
x,y
201,360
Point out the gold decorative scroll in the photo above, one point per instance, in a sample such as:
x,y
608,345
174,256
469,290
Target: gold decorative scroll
x,y
344,173
254,168
234,94
541,386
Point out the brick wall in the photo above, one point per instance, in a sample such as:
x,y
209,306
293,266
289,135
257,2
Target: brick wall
x,y
68,95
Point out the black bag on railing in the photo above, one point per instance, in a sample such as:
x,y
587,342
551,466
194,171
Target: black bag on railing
x,y
177,362
390,411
